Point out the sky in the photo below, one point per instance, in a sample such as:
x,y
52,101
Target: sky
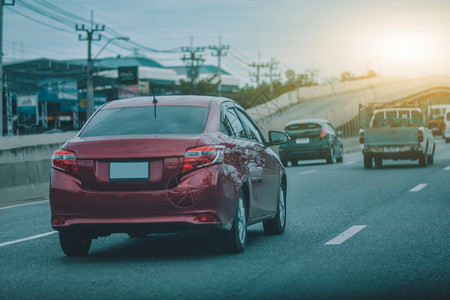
x,y
391,37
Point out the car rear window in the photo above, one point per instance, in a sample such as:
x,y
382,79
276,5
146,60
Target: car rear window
x,y
302,126
141,120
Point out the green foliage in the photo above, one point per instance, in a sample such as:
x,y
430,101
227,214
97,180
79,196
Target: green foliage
x,y
347,76
247,96
201,87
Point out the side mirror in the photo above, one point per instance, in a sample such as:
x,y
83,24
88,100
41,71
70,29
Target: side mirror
x,y
339,133
277,138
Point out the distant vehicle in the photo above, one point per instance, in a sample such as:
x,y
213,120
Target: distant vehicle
x,y
437,126
311,139
446,133
185,162
396,132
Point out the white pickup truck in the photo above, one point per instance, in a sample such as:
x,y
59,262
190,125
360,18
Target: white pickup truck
x,y
397,133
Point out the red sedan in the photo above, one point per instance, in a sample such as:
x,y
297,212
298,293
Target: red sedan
x,y
143,166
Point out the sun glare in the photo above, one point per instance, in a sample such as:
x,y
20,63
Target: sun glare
x,y
410,53
406,47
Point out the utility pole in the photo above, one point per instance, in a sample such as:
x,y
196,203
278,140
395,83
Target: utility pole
x,y
273,65
219,52
192,68
2,3
90,68
258,67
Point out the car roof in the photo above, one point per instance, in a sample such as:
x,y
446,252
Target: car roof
x,y
178,100
304,121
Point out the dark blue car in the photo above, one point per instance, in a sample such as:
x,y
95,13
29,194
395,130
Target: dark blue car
x,y
311,139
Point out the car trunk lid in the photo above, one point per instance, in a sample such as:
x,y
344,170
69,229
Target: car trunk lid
x,y
131,162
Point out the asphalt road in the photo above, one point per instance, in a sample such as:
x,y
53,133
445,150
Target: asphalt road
x,y
351,233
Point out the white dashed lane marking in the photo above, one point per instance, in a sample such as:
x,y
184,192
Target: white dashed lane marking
x,y
307,172
418,187
345,235
447,168
28,238
349,162
25,204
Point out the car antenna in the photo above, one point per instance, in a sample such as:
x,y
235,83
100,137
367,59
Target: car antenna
x,y
154,101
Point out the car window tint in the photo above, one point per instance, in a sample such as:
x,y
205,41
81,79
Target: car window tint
x,y
141,120
225,126
330,129
252,132
302,126
236,124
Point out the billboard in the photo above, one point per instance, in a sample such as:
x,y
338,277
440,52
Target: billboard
x,y
27,110
128,75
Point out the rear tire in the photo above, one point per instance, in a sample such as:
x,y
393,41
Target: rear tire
x,y
431,157
378,162
74,244
277,225
423,160
234,240
367,161
341,155
331,158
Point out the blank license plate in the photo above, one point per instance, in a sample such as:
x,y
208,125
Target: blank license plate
x,y
302,141
391,149
128,171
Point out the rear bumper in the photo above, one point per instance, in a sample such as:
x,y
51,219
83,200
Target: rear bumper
x,y
304,154
203,192
404,152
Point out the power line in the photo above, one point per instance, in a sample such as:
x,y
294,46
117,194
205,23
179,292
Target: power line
x,y
258,66
89,38
238,65
192,67
40,22
48,14
219,52
61,11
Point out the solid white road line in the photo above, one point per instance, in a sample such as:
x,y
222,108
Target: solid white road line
x,y
306,172
418,187
447,168
17,205
28,238
345,235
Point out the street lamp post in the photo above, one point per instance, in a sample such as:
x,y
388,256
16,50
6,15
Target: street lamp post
x,y
122,38
90,75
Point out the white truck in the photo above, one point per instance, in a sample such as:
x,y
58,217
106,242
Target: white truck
x,y
395,132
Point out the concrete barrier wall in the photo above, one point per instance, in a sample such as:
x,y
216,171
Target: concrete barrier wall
x,y
25,165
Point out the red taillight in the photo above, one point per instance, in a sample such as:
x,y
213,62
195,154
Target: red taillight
x,y
207,218
59,220
201,156
323,133
65,161
420,134
361,137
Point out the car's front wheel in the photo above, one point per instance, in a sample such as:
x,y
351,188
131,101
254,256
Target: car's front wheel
x,y
234,240
74,244
277,225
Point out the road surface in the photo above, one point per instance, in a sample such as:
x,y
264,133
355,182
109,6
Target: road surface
x,y
351,233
